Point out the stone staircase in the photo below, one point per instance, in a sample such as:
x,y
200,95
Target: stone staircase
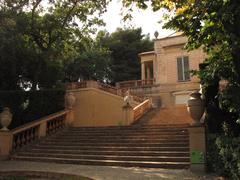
x,y
151,146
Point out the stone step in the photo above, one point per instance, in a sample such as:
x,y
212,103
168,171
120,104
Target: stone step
x,y
109,152
103,148
113,144
142,129
107,157
69,136
144,126
160,146
85,140
146,164
127,133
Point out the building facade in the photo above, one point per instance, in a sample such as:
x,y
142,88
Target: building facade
x,y
165,72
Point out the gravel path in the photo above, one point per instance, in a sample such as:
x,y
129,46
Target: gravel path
x,y
104,172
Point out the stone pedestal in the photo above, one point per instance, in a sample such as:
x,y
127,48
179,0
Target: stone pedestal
x,y
69,118
127,114
6,139
197,144
42,131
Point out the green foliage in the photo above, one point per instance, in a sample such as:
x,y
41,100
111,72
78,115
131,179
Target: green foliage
x,y
91,62
224,155
214,161
27,106
36,36
125,45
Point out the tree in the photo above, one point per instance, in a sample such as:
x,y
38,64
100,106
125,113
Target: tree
x,y
125,45
42,31
90,62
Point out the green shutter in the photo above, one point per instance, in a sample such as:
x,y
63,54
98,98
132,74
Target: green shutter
x,y
186,68
180,69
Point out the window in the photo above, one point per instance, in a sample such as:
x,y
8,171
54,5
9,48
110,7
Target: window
x,y
183,68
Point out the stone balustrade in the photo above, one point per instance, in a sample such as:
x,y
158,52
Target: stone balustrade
x,y
30,132
104,87
135,83
139,110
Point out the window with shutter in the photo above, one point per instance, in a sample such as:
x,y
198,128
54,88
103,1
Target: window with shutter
x,y
183,68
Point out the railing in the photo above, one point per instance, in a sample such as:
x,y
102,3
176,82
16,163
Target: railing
x,y
138,98
139,110
76,85
102,86
135,83
32,131
107,88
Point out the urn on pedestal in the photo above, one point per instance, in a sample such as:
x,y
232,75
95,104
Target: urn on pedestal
x,y
128,99
195,107
5,119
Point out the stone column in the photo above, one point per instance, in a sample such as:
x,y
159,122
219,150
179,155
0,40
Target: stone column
x,y
148,72
143,70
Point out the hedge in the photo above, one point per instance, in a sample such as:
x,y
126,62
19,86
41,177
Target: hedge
x,y
27,106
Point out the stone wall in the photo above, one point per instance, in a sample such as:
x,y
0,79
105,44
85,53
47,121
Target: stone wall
x,y
167,50
94,107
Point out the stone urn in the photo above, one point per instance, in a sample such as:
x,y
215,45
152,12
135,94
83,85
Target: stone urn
x,y
5,119
128,99
69,100
195,107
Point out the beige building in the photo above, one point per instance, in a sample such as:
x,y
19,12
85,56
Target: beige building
x,y
165,72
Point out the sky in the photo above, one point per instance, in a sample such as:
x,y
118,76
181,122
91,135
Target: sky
x,y
146,19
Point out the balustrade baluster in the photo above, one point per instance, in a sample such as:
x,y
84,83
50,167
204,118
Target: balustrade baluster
x,y
50,127
36,129
20,140
23,138
14,142
54,125
62,123
28,136
57,124
31,134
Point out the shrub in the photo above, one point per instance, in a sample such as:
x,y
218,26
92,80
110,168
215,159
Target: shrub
x,y
214,161
223,155
27,106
